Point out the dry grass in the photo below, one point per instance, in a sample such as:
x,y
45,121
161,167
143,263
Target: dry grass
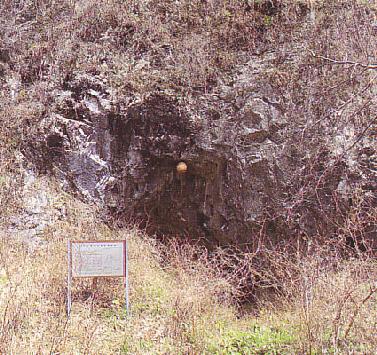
x,y
179,305
171,311
332,312
183,299
142,46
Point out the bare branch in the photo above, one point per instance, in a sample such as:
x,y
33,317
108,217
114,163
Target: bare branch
x,y
371,292
344,62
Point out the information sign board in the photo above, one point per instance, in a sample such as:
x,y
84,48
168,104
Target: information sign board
x,y
97,259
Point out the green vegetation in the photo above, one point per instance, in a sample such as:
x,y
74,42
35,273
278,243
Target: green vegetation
x,y
257,340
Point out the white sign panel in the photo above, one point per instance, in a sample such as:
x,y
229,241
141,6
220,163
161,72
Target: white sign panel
x,y
95,259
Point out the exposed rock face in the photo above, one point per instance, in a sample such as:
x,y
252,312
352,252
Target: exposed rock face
x,y
239,159
37,208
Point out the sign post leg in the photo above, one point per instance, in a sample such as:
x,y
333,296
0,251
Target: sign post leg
x,y
126,282
69,281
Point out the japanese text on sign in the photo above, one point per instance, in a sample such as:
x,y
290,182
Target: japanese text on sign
x,y
95,259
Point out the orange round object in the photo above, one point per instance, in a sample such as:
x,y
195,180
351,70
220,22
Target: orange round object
x,y
181,167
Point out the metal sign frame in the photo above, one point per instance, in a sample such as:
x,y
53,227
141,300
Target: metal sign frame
x,y
70,276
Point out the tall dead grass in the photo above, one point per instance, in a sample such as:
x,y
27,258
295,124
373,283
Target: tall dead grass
x,y
172,311
184,299
332,311
186,46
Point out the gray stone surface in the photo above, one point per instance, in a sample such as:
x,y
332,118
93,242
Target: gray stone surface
x,y
37,211
121,152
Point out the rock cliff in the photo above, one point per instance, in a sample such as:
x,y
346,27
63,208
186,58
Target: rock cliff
x,y
261,101
243,161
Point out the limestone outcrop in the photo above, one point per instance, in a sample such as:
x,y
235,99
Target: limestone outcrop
x,y
240,146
